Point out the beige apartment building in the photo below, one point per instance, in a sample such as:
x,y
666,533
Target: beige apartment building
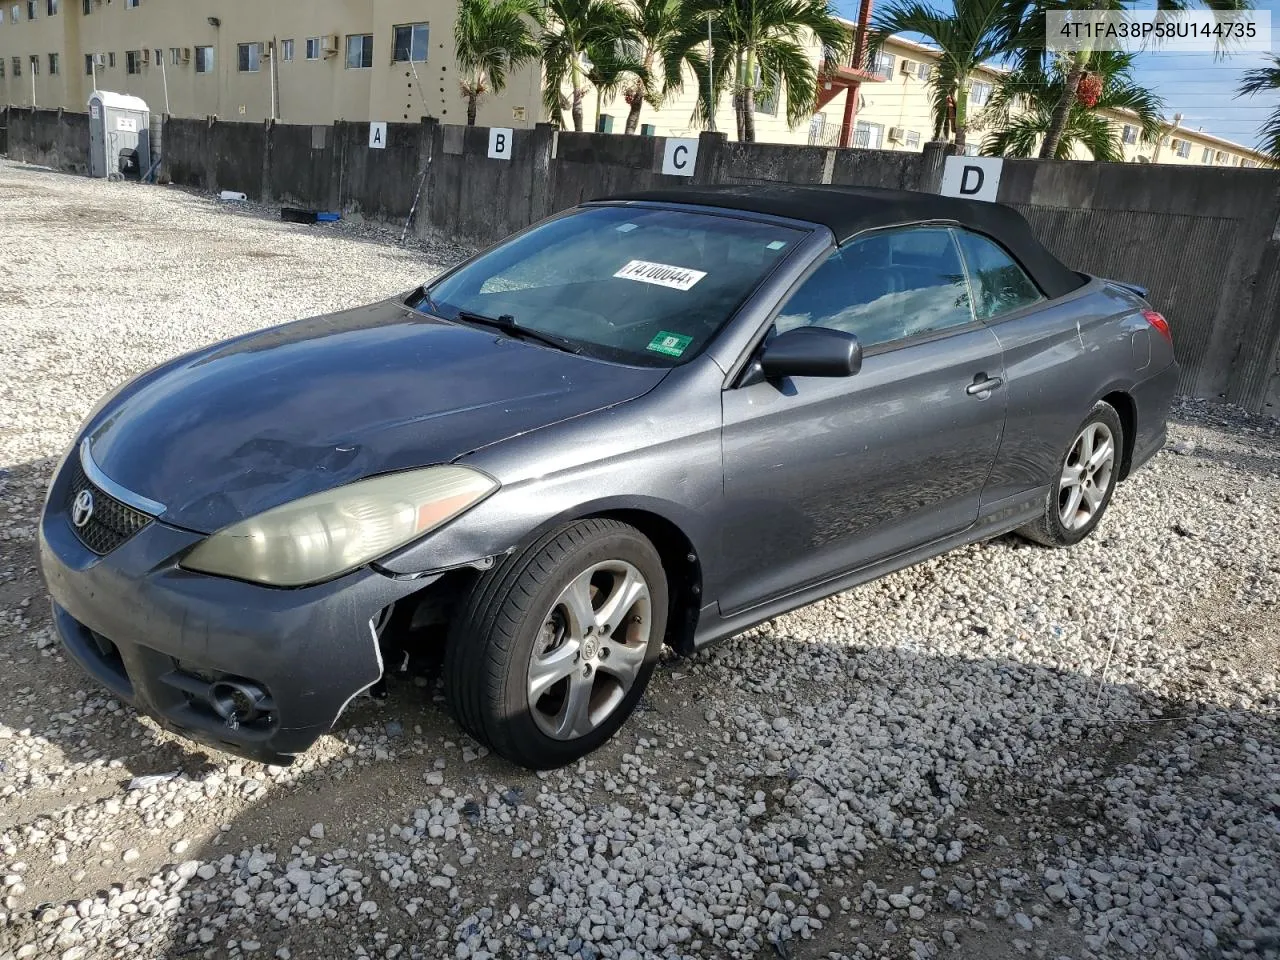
x,y
315,61
302,61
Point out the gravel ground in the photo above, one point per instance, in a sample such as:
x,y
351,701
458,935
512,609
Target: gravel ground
x,y
1007,751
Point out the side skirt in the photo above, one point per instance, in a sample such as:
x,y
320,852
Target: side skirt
x,y
1000,518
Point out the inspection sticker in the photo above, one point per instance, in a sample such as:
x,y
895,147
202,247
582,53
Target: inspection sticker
x,y
672,344
662,274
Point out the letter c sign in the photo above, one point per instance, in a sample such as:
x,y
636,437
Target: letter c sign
x,y
974,178
679,156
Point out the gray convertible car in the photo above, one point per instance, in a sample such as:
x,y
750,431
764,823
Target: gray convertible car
x,y
657,418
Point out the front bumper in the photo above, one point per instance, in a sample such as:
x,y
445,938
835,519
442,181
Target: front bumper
x,y
178,645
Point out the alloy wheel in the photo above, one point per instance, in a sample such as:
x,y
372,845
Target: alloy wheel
x,y
591,647
1087,476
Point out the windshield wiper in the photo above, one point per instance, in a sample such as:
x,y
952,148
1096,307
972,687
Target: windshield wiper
x,y
507,324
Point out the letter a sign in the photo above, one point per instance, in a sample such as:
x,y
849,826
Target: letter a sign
x,y
973,178
377,136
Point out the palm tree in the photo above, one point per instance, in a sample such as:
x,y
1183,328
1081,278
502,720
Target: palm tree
x,y
1018,132
492,37
578,32
612,66
975,32
761,47
1260,81
659,25
1028,19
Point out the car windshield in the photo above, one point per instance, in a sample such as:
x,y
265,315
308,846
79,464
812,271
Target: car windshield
x,y
634,285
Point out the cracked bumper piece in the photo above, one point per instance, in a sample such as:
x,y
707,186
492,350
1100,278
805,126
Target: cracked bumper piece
x,y
256,671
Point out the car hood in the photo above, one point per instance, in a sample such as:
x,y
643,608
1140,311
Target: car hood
x,y
244,426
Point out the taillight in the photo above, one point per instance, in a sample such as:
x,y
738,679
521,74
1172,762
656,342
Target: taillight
x,y
1157,320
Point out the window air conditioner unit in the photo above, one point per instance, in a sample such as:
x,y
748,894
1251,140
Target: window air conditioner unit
x,y
186,54
266,50
895,133
908,67
331,44
99,59
144,57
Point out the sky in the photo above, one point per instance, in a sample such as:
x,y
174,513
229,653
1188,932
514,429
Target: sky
x,y
1196,85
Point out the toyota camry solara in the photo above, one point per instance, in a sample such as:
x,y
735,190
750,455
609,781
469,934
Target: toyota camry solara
x,y
658,418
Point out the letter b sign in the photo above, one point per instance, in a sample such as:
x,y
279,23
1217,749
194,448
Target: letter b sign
x,y
500,143
973,178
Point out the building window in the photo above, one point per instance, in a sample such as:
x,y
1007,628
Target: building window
x,y
17,66
31,9
315,45
979,94
883,65
647,129
1,69
175,55
133,61
971,149
1129,134
131,4
924,71
359,51
913,140
15,13
1182,148
204,59
86,7
159,60
1207,156
52,8
1248,163
88,64
869,135
111,60
411,43
1220,157
54,66
604,124
766,99
34,60
286,49
249,57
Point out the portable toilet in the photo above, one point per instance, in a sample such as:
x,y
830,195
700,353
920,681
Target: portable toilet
x,y
119,135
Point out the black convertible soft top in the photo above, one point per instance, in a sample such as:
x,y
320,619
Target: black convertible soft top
x,y
847,211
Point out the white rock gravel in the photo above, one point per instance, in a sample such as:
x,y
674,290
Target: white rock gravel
x,y
1007,751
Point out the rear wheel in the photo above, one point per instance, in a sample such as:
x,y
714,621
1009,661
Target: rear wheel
x,y
1085,483
554,647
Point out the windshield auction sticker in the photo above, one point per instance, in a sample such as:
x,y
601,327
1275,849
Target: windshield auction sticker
x,y
671,344
662,274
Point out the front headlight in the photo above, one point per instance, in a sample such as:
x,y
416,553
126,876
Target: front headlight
x,y
328,534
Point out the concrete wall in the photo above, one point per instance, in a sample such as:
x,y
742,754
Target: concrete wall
x,y
1206,241
51,138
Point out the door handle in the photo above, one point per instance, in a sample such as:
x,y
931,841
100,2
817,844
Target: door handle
x,y
982,384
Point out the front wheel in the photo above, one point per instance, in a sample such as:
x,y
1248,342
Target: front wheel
x,y
554,647
1085,484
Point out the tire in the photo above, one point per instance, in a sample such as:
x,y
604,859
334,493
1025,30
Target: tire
x,y
537,615
1079,497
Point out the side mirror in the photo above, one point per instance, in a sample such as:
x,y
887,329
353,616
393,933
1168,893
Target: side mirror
x,y
811,352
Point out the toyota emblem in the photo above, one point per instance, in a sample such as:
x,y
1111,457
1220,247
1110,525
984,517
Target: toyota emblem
x,y
82,508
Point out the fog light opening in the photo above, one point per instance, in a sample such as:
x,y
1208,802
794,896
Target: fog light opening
x,y
237,702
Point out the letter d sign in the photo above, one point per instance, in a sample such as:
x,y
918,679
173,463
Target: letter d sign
x,y
973,178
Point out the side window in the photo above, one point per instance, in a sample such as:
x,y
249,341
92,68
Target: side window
x,y
885,287
999,284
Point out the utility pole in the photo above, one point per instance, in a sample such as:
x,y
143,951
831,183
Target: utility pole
x,y
711,87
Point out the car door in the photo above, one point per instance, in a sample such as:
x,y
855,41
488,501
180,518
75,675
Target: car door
x,y
823,476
